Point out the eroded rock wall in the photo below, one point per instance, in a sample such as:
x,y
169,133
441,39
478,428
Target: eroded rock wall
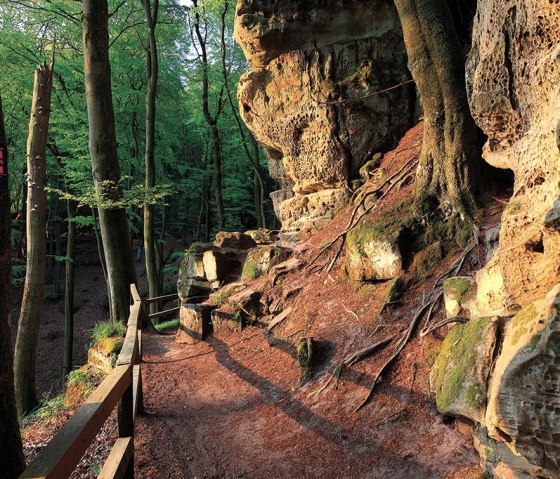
x,y
309,96
513,76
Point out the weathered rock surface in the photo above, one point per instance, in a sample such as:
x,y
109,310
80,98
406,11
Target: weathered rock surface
x,y
524,397
458,292
226,322
308,98
372,255
460,374
194,323
513,73
261,260
234,240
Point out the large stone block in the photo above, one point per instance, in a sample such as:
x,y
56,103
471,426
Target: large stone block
x,y
195,323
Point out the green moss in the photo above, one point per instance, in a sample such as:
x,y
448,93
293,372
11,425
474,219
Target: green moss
x,y
305,359
520,324
171,324
457,357
426,261
535,340
475,396
394,290
459,287
251,270
454,230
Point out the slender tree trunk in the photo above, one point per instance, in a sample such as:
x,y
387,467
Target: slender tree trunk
x,y
36,263
448,172
10,439
101,255
211,121
71,208
152,72
104,160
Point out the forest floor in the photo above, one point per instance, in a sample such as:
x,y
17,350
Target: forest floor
x,y
232,407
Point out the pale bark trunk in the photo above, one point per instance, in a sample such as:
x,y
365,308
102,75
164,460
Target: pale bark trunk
x,y
69,289
10,439
449,164
152,72
103,149
36,262
212,124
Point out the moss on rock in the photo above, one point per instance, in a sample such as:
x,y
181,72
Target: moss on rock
x,y
454,372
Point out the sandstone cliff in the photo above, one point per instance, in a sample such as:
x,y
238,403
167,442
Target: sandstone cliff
x,y
309,98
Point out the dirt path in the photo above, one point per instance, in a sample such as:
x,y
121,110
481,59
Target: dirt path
x,y
230,408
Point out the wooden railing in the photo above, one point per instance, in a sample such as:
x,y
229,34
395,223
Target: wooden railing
x,y
163,299
122,388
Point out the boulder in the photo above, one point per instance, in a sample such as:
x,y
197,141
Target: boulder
x,y
460,374
524,394
261,260
234,240
307,58
371,254
192,281
195,323
219,267
263,236
226,321
458,292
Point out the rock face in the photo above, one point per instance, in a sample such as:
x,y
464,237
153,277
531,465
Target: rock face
x,y
308,99
513,72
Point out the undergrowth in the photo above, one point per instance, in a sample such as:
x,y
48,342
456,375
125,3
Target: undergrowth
x,y
171,324
108,329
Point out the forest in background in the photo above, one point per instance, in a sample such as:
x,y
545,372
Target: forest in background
x,y
184,152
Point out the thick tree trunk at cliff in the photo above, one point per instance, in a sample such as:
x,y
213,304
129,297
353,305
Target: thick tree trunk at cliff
x,y
10,439
449,163
71,208
212,121
103,149
152,72
36,262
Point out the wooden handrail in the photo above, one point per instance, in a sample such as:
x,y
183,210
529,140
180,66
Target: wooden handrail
x,y
163,314
123,386
167,297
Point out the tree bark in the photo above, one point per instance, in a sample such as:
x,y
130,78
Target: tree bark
x,y
152,72
211,121
10,439
36,262
448,171
71,208
103,149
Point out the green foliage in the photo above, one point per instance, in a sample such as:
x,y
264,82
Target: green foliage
x,y
83,378
108,329
49,408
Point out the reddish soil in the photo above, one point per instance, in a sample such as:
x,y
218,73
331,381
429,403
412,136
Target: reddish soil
x,y
231,406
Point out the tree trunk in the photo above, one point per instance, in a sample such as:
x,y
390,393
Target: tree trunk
x,y
10,439
71,208
152,72
448,170
32,301
103,149
211,121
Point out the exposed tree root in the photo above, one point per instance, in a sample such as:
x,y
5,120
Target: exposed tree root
x,y
351,360
428,304
440,324
356,216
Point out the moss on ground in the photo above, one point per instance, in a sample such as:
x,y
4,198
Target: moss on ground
x,y
305,359
251,270
427,261
457,357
